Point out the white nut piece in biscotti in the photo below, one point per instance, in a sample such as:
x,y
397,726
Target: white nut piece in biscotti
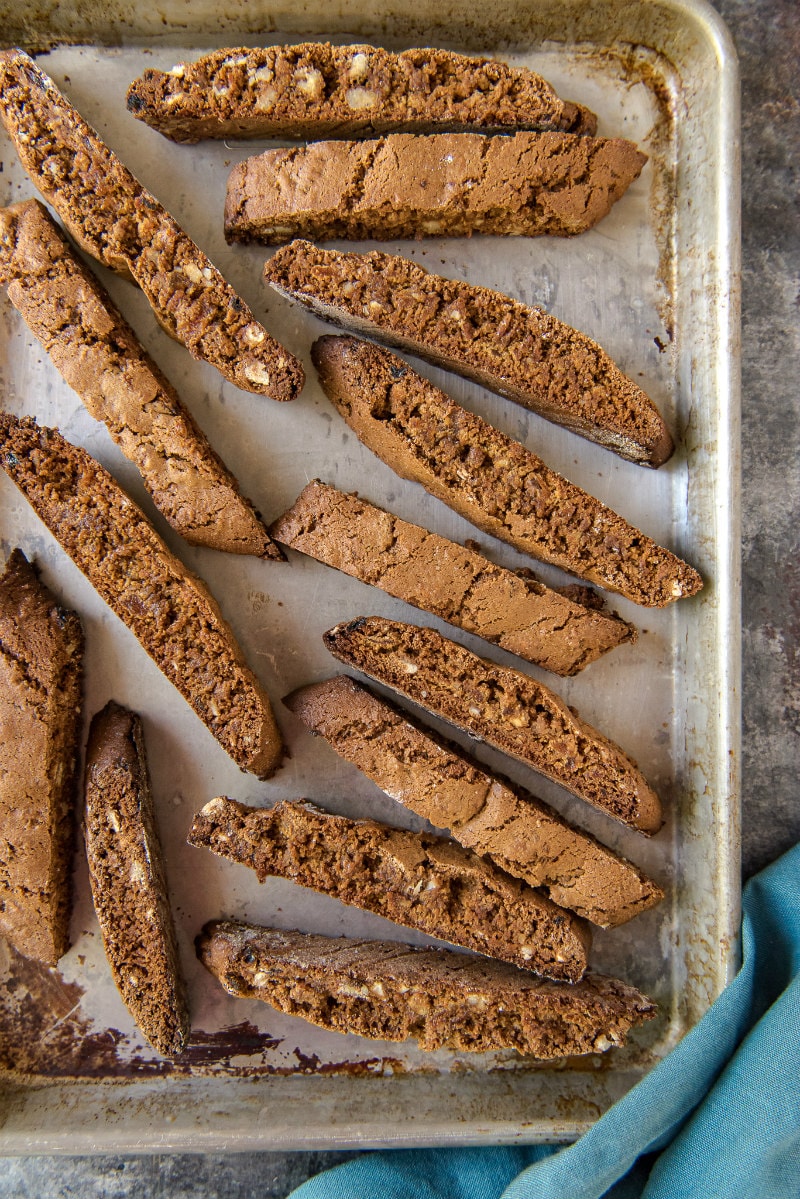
x,y
520,352
129,887
503,707
168,609
484,812
416,879
430,185
99,355
444,1000
116,220
562,630
315,90
489,479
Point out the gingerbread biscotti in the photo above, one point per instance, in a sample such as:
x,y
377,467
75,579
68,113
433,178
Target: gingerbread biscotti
x,y
432,777
503,707
562,631
315,89
489,479
415,879
392,992
518,351
116,220
41,687
99,355
129,887
430,185
170,610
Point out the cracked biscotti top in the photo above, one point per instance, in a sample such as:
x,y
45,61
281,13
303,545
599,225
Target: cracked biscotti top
x,y
518,351
41,691
488,478
116,220
416,879
129,888
168,608
424,185
391,992
315,89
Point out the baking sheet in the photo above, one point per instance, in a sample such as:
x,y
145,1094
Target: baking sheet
x,y
655,283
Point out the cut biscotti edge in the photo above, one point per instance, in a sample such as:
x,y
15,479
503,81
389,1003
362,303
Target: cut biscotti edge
x,y
127,879
392,992
41,688
503,707
489,479
416,879
520,352
116,220
560,632
484,812
314,89
99,355
168,609
430,185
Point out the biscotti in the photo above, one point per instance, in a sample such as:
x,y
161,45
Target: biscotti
x,y
430,185
169,609
503,707
129,888
562,631
318,90
392,992
99,355
489,479
113,218
41,672
415,879
519,352
439,782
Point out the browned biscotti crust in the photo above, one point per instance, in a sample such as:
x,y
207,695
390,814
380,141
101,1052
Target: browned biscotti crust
x,y
489,479
503,707
170,610
315,89
116,220
126,873
41,689
430,185
510,609
391,992
439,782
415,879
99,355
519,352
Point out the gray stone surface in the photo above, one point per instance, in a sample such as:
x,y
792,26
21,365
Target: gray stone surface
x,y
767,35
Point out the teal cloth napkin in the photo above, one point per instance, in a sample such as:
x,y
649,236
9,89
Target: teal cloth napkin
x,y
719,1117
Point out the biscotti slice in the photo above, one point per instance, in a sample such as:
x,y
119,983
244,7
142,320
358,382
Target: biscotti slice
x,y
561,631
113,218
41,686
170,610
519,352
444,1000
489,479
99,355
430,185
318,90
129,888
504,708
416,879
435,779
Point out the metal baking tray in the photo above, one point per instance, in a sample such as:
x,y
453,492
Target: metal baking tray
x,y
657,284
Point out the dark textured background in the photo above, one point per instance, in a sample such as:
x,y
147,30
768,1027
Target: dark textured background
x,y
767,36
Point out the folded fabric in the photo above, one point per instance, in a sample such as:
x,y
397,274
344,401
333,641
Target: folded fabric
x,y
719,1117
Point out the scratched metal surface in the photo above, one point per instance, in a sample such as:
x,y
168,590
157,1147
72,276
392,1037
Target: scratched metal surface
x,y
655,284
